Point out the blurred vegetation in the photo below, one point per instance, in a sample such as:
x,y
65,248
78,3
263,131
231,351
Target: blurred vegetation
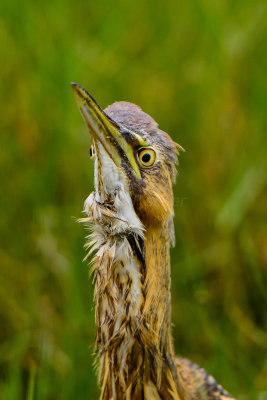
x,y
199,68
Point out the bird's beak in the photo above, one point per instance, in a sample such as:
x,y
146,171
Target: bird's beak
x,y
119,142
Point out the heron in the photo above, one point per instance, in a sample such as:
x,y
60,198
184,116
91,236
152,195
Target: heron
x,y
130,216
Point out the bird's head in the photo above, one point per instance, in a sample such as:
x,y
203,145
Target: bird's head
x,y
134,161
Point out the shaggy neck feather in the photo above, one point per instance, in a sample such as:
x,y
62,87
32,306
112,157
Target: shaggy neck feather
x,y
132,305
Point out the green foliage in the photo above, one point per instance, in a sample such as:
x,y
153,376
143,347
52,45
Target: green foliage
x,y
198,67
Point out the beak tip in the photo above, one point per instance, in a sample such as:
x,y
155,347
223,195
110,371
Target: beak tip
x,y
75,86
78,93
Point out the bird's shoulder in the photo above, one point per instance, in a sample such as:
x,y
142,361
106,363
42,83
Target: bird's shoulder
x,y
198,383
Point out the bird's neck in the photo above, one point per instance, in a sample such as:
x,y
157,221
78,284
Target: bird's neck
x,y
157,305
133,318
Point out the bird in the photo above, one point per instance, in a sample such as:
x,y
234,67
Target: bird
x,y
130,220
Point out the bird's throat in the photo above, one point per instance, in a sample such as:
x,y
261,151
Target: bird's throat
x,y
133,318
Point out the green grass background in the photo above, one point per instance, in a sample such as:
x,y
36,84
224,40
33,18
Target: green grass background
x,y
199,67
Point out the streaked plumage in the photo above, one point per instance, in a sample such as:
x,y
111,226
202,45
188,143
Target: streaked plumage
x,y
130,215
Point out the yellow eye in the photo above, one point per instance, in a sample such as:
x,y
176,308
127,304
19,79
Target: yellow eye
x,y
92,151
146,157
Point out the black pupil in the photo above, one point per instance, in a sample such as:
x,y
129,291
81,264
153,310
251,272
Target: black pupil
x,y
91,151
146,157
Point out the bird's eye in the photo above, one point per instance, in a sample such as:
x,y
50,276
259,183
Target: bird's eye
x,y
92,151
146,157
